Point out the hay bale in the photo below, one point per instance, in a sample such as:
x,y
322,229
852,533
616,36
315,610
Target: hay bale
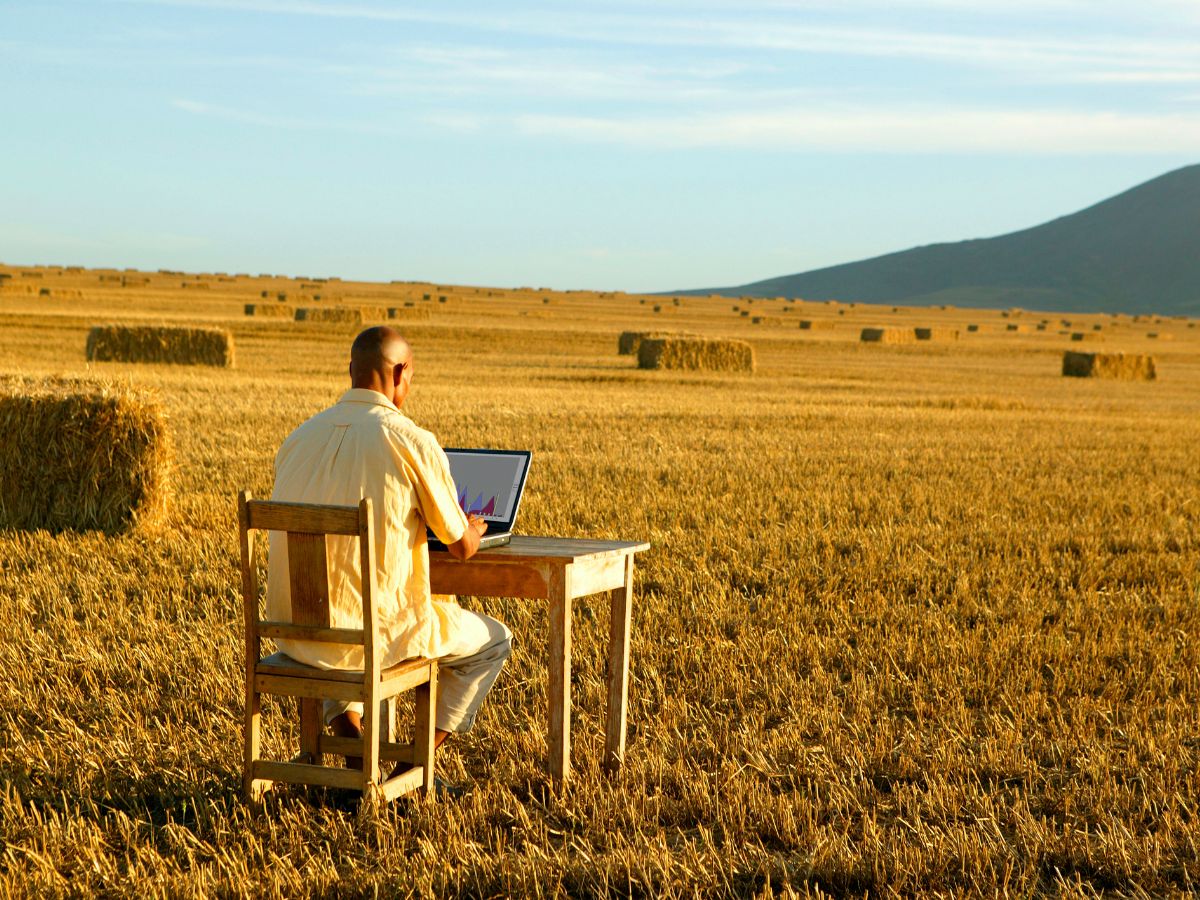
x,y
350,315
1019,329
269,310
1086,336
815,325
1162,337
936,334
695,354
408,313
887,335
161,344
629,341
973,328
81,455
1127,367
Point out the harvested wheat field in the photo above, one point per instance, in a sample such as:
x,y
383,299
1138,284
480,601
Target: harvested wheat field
x,y
915,621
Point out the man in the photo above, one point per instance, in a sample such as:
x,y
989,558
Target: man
x,y
365,447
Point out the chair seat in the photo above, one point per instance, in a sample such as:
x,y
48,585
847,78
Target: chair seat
x,y
282,664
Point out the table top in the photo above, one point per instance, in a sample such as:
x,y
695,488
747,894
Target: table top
x,y
534,548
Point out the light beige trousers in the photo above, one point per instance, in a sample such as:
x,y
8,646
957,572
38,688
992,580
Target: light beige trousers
x,y
465,674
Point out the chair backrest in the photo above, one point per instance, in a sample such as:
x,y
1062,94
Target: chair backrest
x,y
307,527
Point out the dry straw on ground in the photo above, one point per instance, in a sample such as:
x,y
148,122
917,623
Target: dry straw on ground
x,y
887,335
81,455
161,344
1127,367
936,334
269,310
696,354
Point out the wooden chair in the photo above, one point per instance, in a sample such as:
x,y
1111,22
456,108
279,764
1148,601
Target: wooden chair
x,y
307,526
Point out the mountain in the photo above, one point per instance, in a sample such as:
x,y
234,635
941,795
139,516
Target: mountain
x,y
1137,252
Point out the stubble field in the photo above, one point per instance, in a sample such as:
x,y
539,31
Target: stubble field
x,y
917,619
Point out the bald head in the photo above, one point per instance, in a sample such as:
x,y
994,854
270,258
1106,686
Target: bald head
x,y
381,360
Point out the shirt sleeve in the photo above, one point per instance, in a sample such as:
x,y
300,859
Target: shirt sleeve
x,y
436,495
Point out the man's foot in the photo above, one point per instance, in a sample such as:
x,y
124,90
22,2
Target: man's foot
x,y
348,725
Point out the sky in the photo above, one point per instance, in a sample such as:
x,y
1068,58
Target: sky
x,y
644,146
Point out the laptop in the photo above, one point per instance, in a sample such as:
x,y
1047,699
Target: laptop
x,y
489,484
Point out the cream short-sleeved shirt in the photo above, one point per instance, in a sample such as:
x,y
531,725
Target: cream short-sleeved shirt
x,y
363,446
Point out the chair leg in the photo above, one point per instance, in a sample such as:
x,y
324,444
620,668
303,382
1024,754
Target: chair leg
x,y
252,788
423,742
370,757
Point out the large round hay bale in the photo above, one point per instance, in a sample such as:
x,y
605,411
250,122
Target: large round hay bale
x,y
887,335
81,456
161,344
696,354
1124,366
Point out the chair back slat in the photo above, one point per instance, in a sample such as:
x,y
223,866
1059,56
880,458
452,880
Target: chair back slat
x,y
308,574
309,518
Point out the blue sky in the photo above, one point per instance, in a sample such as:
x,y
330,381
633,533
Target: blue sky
x,y
606,145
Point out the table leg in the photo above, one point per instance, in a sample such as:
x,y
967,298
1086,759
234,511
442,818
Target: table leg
x,y
559,690
620,614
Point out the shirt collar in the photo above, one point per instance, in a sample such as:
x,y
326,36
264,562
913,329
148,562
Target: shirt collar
x,y
366,395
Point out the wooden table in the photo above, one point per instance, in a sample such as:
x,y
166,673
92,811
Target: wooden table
x,y
558,570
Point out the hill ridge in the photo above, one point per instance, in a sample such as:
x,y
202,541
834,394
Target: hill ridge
x,y
1135,252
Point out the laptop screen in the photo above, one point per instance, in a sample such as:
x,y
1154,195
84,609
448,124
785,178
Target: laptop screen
x,y
490,483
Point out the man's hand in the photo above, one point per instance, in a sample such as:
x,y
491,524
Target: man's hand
x,y
466,546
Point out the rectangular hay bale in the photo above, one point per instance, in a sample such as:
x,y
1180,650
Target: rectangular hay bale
x,y
81,455
936,334
696,354
1123,366
161,344
887,335
352,315
269,310
408,313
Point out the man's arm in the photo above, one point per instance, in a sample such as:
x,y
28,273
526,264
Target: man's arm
x,y
468,545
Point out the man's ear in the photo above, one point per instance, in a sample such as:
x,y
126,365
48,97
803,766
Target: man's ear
x,y
397,374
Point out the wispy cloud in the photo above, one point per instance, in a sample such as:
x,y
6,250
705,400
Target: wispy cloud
x,y
914,130
767,28
286,123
